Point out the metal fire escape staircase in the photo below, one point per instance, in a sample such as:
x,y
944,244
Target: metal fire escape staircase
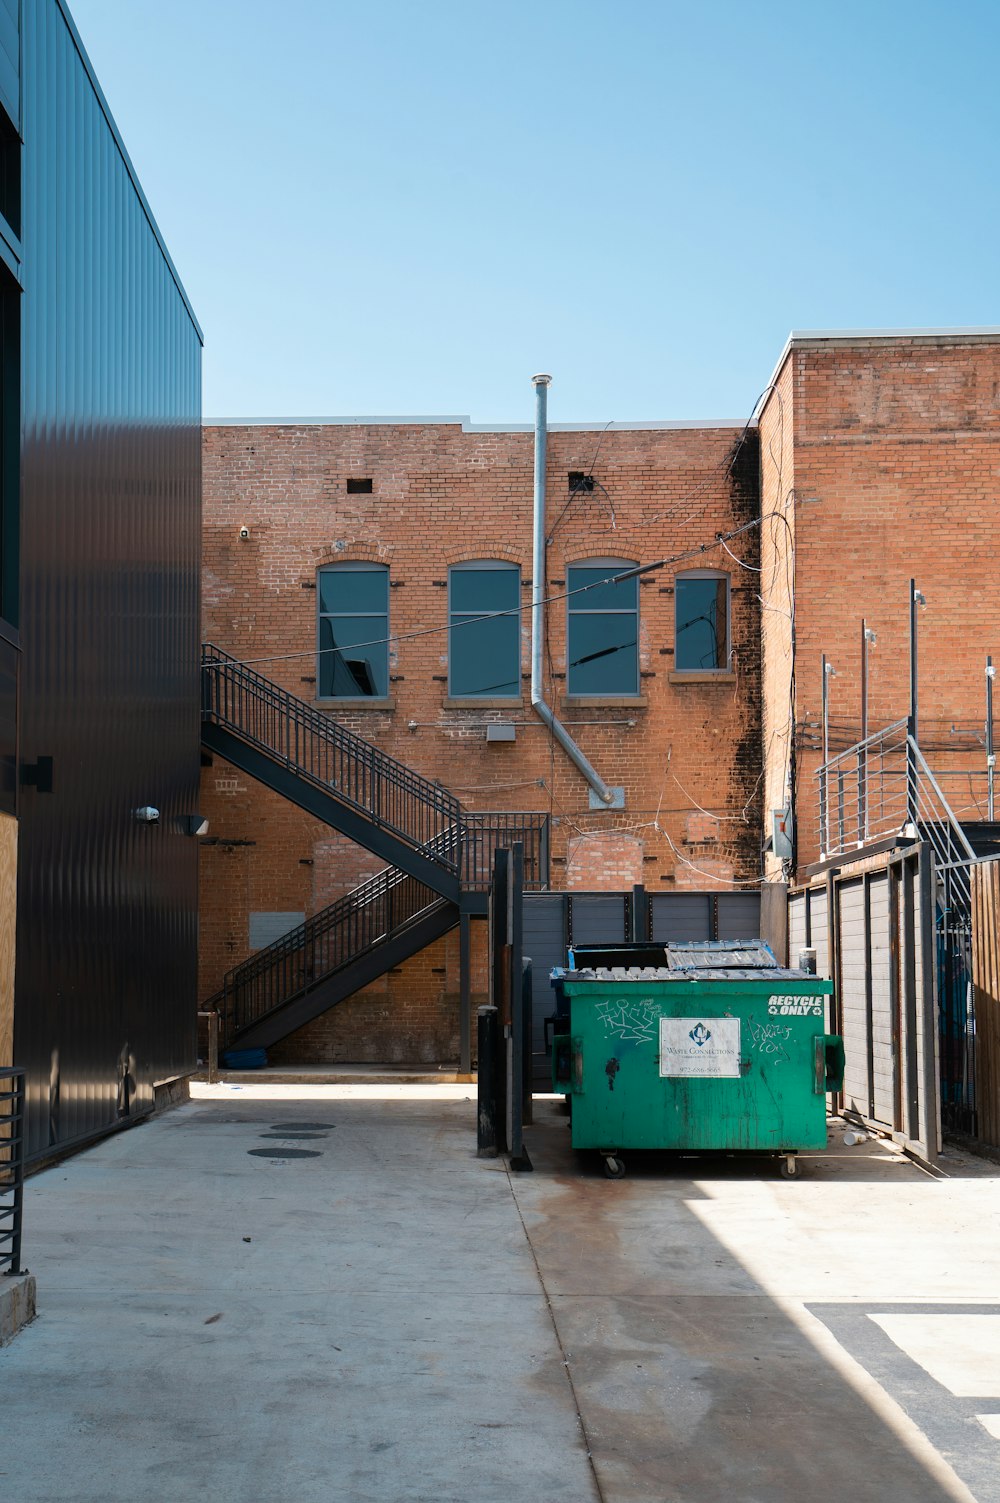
x,y
440,853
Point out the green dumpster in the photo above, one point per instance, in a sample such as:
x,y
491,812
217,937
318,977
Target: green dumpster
x,y
701,1046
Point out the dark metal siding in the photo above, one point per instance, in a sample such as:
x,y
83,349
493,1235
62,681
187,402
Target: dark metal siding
x,y
110,542
10,59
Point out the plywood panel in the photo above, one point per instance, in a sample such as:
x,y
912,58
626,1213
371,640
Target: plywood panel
x,y
8,926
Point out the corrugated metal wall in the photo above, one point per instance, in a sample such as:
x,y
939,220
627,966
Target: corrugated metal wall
x,y
110,545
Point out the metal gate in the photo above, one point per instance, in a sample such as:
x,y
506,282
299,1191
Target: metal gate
x,y
873,929
553,920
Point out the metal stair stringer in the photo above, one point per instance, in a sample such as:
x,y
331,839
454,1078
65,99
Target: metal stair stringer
x,y
290,746
329,957
313,1000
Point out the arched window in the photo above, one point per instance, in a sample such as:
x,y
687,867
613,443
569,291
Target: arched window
x,y
602,628
701,635
353,632
484,656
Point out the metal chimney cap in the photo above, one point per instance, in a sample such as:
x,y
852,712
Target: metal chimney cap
x,y
541,380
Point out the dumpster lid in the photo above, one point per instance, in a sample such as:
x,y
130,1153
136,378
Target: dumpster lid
x,y
704,959
692,973
727,954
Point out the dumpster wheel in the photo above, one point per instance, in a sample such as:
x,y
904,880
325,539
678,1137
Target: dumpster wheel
x,y
789,1166
614,1167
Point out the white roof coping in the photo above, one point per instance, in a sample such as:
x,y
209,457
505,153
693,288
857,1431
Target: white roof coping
x,y
465,423
974,334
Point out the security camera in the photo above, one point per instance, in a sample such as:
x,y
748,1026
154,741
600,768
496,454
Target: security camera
x,y
244,533
147,815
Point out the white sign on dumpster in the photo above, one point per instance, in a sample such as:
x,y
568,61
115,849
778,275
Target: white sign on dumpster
x,y
700,1046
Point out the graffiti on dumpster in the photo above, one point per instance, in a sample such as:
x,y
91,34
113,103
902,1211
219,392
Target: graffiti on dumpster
x,y
633,1021
770,1039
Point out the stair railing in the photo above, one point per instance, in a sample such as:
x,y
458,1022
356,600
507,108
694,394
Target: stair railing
x,y
340,933
316,748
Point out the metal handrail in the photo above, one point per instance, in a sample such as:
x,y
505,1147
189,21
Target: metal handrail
x,y
364,917
426,816
878,787
12,1133
959,834
300,959
483,834
316,748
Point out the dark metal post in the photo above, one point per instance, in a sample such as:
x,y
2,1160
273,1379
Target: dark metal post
x,y
519,1043
486,1128
868,639
500,983
911,722
640,914
464,995
824,803
527,1036
991,759
912,718
213,1047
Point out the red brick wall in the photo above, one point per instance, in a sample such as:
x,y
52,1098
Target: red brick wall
x,y
440,496
895,464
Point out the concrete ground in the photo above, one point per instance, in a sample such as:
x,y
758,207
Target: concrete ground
x,y
306,1292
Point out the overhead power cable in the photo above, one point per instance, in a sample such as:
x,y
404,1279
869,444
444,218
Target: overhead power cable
x,y
427,631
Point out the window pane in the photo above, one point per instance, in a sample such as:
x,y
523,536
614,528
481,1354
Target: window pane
x,y
485,589
610,597
701,625
603,656
485,656
349,670
352,591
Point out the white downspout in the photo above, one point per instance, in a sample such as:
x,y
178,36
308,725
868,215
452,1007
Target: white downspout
x,y
559,731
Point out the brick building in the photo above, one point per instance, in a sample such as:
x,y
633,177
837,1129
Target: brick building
x,y
362,531
880,457
695,690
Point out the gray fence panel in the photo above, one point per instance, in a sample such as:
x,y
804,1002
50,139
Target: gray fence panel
x,y
681,916
598,918
796,927
883,1075
853,995
739,915
820,935
544,941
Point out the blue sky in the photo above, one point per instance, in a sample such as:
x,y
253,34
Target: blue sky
x,y
402,207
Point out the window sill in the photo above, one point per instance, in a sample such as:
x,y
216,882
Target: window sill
x,y
481,702
604,701
718,676
360,702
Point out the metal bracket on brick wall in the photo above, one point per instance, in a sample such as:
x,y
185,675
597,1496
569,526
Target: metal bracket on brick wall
x,y
594,801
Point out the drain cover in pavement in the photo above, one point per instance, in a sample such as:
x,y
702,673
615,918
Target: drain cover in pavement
x,y
285,1153
288,1133
302,1126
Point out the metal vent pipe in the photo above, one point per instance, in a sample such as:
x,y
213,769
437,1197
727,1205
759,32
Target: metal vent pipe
x,y
542,710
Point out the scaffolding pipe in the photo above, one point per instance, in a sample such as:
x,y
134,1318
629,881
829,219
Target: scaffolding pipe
x,y
542,710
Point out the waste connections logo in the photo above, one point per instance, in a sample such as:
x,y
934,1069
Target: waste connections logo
x,y
811,1007
697,1046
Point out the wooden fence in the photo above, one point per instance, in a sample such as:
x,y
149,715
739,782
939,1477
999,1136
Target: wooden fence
x,y
986,986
